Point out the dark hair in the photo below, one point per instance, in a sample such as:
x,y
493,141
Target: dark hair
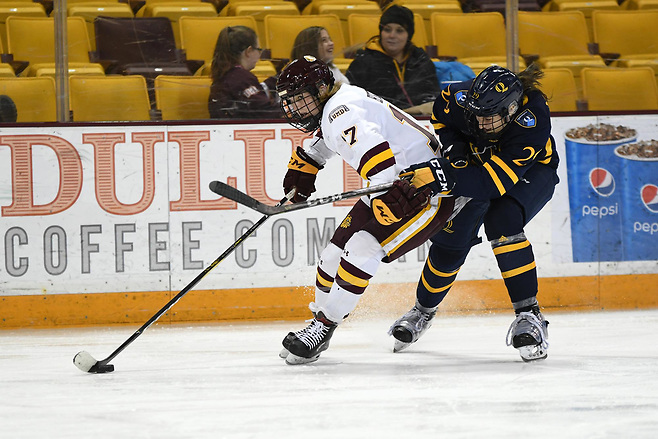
x,y
530,79
232,40
307,42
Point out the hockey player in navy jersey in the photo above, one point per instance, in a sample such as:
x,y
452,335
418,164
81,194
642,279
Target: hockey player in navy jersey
x,y
379,141
495,133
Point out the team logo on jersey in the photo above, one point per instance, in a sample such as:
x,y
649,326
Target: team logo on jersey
x,y
338,111
526,119
460,97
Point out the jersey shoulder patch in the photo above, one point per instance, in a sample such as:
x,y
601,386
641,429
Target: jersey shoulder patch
x,y
526,119
460,97
337,112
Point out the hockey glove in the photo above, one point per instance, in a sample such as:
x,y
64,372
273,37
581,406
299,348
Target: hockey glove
x,y
457,153
301,174
429,174
400,201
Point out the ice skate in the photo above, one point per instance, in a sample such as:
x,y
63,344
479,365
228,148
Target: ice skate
x,y
306,345
409,328
529,334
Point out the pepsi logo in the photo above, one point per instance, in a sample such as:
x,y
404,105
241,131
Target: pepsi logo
x,y
649,194
602,181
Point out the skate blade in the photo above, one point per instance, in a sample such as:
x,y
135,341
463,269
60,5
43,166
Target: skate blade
x,y
284,353
399,346
294,360
532,353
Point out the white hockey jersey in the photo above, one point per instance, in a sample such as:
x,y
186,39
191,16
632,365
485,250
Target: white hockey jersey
x,y
373,136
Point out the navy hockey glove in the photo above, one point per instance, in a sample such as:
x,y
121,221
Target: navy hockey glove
x,y
402,200
429,174
301,174
457,153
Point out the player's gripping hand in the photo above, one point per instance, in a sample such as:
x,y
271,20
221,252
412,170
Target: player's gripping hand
x,y
429,175
457,153
400,201
301,174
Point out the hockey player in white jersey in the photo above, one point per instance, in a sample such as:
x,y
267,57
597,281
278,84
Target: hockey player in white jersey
x,y
380,142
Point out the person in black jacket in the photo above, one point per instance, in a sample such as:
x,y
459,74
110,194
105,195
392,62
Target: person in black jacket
x,y
392,67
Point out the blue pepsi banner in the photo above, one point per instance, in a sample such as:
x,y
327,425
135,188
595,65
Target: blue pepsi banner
x,y
612,181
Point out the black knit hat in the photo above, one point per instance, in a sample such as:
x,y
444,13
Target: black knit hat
x,y
399,15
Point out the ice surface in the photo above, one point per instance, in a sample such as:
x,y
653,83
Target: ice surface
x,y
226,381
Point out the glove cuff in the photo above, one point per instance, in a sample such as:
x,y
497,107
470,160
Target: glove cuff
x,y
300,161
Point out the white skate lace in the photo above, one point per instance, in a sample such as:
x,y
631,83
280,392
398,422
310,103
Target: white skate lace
x,y
313,334
534,321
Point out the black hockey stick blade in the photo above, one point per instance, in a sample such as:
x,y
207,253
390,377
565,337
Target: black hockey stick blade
x,y
87,363
239,197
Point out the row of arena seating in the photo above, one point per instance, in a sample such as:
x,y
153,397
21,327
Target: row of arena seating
x,y
556,39
125,98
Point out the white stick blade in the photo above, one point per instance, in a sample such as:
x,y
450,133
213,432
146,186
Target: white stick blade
x,y
84,361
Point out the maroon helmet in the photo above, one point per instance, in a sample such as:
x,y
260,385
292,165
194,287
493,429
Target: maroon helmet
x,y
305,74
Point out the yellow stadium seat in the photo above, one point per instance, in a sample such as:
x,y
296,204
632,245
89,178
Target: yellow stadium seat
x,y
281,31
313,8
620,89
639,4
32,39
560,87
175,10
91,9
182,97
229,9
35,98
587,7
198,35
475,39
17,8
430,7
630,35
109,98
260,12
559,39
343,11
6,69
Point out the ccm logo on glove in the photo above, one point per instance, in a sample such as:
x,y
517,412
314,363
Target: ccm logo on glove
x,y
300,176
429,174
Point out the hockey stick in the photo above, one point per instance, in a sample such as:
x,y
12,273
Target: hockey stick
x,y
232,193
84,360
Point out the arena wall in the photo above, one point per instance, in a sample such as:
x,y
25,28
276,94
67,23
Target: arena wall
x,y
102,224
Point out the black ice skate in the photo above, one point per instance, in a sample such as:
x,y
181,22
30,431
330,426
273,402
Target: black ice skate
x,y
529,334
305,346
411,326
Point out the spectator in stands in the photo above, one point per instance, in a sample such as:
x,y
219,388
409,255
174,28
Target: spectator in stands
x,y
235,92
315,41
392,67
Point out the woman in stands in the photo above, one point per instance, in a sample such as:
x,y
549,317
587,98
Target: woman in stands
x,y
392,67
315,41
235,92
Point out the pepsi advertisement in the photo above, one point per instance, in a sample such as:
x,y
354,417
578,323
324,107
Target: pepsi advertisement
x,y
612,183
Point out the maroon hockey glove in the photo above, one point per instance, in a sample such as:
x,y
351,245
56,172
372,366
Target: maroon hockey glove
x,y
301,174
402,200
